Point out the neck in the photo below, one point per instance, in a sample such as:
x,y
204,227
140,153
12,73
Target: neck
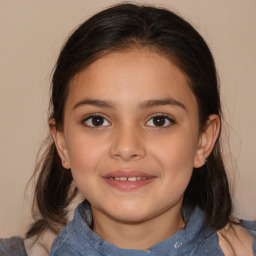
x,y
138,235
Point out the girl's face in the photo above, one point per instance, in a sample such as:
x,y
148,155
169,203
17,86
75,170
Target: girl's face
x,y
131,135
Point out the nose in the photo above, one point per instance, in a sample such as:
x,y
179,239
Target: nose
x,y
128,144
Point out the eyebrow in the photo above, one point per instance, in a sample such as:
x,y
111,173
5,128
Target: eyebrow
x,y
145,105
162,102
96,102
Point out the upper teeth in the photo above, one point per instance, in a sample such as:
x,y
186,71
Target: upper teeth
x,y
128,178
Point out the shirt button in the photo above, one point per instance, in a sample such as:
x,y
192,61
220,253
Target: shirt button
x,y
177,245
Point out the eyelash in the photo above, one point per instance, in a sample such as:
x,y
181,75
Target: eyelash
x,y
164,117
90,117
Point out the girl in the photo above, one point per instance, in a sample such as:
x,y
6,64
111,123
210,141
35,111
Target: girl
x,y
135,122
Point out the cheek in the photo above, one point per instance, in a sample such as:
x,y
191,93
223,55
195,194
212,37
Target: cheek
x,y
177,167
84,155
177,153
176,159
84,161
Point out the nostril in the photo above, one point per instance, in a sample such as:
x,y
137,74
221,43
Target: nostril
x,y
127,155
127,145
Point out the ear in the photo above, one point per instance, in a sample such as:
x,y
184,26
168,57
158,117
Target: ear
x,y
60,143
207,140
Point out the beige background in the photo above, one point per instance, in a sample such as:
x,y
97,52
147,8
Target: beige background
x,y
32,33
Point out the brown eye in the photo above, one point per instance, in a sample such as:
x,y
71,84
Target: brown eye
x,y
160,121
96,121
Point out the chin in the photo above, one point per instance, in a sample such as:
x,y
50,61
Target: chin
x,y
130,218
130,214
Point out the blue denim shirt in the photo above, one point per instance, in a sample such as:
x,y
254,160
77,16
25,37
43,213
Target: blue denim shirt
x,y
78,239
13,246
196,239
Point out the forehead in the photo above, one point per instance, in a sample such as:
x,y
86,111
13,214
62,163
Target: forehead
x,y
132,76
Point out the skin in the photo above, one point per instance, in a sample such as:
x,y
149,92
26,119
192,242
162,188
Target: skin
x,y
234,240
126,86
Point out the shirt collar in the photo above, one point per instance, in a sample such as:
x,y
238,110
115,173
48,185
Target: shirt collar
x,y
182,242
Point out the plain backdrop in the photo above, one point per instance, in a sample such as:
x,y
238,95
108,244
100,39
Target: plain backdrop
x,y
32,33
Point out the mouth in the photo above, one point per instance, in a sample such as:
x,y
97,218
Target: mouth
x,y
132,179
128,180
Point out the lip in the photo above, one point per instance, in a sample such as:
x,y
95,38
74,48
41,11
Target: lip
x,y
126,185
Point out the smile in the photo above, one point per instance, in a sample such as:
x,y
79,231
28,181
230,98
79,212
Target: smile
x,y
128,180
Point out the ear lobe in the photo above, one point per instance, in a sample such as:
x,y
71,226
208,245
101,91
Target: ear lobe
x,y
207,140
60,143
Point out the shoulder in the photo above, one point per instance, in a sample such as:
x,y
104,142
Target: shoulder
x,y
235,239
13,246
232,240
40,245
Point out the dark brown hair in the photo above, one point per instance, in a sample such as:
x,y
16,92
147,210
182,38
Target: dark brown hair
x,y
116,29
